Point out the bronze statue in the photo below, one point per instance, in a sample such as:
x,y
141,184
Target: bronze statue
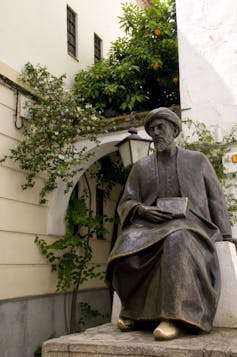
x,y
164,266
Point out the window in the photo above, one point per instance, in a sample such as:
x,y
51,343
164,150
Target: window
x,y
97,48
71,32
100,209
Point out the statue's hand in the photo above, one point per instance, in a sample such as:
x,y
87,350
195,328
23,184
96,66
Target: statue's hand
x,y
153,214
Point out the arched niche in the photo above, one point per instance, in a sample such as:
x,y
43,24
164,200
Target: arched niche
x,y
58,201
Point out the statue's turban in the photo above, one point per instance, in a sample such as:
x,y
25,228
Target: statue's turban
x,y
162,113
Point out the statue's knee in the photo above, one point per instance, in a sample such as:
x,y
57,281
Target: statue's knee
x,y
175,238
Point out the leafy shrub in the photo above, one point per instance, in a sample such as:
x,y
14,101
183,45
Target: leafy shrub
x,y
141,71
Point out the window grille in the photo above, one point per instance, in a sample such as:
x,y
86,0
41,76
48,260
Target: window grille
x,y
71,32
97,48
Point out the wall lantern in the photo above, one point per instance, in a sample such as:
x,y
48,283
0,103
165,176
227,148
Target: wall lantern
x,y
133,148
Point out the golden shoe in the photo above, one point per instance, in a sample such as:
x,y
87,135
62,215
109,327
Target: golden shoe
x,y
166,330
125,325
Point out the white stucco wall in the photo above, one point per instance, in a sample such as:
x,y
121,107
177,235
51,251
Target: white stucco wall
x,y
36,31
207,35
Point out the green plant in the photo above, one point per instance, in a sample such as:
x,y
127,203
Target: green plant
x,y
55,122
110,173
88,311
199,138
141,71
70,256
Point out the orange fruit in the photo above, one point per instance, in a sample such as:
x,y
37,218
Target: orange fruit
x,y
155,67
157,32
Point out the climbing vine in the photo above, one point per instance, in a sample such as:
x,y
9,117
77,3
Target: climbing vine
x,y
110,173
70,257
199,138
55,122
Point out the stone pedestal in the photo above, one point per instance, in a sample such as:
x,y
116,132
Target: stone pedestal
x,y
226,315
108,341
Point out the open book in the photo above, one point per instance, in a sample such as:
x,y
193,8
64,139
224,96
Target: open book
x,y
174,205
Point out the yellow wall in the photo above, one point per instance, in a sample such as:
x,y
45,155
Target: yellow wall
x,y
23,270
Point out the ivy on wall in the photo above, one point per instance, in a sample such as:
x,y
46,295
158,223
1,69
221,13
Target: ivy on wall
x,y
110,173
71,256
55,123
200,138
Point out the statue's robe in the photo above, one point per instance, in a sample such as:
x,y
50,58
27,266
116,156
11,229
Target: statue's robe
x,y
170,270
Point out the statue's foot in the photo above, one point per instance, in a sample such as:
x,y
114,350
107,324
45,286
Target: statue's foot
x,y
125,325
166,330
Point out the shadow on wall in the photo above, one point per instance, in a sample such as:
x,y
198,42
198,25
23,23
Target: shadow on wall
x,y
208,95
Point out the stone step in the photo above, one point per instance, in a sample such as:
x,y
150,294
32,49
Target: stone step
x,y
107,341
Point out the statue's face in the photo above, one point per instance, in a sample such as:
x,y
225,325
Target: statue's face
x,y
163,133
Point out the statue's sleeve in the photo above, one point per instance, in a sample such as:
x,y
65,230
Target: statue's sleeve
x,y
216,199
131,197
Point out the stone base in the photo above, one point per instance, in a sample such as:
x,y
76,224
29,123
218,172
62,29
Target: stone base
x,y
226,315
107,341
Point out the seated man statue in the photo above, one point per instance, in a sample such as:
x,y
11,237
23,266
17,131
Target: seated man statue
x,y
164,266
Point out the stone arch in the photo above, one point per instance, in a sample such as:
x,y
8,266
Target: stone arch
x,y
58,201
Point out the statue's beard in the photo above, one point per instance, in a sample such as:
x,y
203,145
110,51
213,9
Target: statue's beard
x,y
161,144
